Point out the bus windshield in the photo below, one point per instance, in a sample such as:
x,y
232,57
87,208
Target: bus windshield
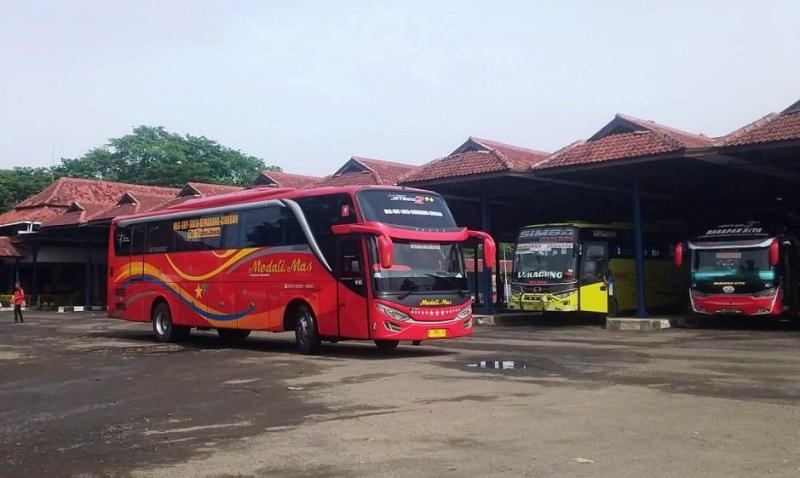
x,y
546,255
544,263
406,208
742,264
421,266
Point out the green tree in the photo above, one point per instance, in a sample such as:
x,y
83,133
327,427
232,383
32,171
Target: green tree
x,y
153,155
19,183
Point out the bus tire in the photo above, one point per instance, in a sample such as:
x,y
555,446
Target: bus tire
x,y
163,328
233,334
612,307
306,334
387,345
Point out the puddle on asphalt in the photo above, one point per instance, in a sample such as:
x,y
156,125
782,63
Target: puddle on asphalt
x,y
499,365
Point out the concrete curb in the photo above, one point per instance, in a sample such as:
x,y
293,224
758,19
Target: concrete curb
x,y
637,324
80,308
504,319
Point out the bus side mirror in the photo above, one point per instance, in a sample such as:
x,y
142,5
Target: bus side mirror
x,y
679,254
774,253
489,248
386,252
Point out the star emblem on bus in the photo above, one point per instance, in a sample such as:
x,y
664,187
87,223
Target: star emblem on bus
x,y
200,289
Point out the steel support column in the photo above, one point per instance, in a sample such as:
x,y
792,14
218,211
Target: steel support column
x,y
638,226
486,223
34,276
16,270
87,298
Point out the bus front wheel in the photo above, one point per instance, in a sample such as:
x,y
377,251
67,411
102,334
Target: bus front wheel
x,y
612,307
163,328
386,345
306,334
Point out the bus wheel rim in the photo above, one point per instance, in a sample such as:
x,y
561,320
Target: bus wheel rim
x,y
161,323
303,329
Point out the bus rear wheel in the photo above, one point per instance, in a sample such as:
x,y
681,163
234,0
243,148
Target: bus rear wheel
x,y
306,334
163,328
387,345
233,334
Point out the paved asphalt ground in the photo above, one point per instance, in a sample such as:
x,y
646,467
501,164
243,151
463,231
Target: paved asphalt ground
x,y
84,395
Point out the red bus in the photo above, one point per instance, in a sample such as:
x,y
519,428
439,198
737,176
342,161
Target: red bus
x,y
378,263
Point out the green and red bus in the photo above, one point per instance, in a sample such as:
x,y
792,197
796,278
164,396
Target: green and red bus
x,y
742,269
356,262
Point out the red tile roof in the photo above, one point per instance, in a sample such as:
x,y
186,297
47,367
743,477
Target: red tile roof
x,y
477,156
207,189
8,249
462,164
76,213
775,127
87,197
684,139
609,148
365,171
625,137
518,158
31,214
275,179
64,191
131,203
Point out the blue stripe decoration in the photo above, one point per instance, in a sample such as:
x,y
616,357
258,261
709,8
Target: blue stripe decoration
x,y
206,314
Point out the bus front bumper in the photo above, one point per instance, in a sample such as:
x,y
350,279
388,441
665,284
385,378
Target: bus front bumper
x,y
729,304
388,329
566,302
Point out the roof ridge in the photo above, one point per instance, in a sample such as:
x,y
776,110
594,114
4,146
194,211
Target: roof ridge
x,y
267,172
117,183
503,160
558,152
384,161
741,131
663,129
483,141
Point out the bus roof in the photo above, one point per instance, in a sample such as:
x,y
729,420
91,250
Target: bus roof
x,y
260,194
581,225
611,225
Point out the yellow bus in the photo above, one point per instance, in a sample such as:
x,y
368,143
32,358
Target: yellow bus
x,y
582,267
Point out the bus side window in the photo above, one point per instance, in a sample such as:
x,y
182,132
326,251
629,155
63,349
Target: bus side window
x,y
292,232
322,212
261,227
159,237
137,239
594,262
230,236
122,244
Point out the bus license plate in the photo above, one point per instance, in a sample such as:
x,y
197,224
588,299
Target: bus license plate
x,y
437,333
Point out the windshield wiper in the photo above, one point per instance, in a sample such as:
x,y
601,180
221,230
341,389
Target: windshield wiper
x,y
411,289
449,280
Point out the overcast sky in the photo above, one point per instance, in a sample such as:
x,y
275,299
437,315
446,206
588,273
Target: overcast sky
x,y
306,85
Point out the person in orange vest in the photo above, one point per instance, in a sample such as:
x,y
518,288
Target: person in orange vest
x,y
19,300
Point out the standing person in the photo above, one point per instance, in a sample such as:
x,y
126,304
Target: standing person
x,y
19,299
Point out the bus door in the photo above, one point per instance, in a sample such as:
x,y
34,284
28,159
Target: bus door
x,y
137,288
594,268
351,288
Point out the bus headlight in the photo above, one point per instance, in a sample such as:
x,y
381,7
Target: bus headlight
x,y
696,293
393,313
464,313
765,293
